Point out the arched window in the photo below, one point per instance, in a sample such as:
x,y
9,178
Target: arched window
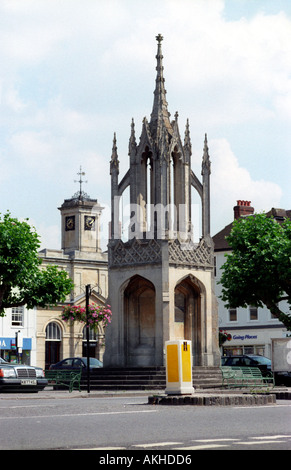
x,y
53,332
53,342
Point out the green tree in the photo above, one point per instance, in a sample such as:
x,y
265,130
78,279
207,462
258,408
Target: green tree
x,y
22,280
258,270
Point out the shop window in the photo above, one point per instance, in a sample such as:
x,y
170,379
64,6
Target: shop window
x,y
260,350
17,316
233,351
241,350
249,350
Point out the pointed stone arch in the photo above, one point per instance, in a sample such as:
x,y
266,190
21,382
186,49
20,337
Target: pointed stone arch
x,y
139,321
145,195
189,308
178,187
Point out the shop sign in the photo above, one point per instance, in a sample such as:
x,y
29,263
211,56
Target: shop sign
x,y
9,343
243,337
5,343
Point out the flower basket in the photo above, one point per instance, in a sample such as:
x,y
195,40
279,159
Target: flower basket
x,y
96,314
223,337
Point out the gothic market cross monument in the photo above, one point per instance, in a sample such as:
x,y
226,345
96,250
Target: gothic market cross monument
x,y
161,281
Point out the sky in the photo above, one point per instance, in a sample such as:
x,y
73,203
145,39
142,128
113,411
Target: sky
x,y
73,72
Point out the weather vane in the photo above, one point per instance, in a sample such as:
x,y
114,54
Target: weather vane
x,y
159,38
81,193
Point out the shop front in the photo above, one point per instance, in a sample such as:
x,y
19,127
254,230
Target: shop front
x,y
10,353
250,341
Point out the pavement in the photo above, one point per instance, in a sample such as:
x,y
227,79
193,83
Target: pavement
x,y
159,397
50,393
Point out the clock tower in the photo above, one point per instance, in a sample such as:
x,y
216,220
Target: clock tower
x,y
81,222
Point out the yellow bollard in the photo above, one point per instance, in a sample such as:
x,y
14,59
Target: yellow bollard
x,y
179,367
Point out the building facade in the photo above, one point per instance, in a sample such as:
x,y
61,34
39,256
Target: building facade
x,y
40,337
17,335
250,330
82,258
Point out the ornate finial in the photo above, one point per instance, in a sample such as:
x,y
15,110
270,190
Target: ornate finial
x,y
132,128
159,38
187,140
80,194
206,164
205,146
114,163
114,148
132,140
160,105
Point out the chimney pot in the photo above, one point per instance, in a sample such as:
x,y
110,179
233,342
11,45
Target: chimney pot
x,y
242,208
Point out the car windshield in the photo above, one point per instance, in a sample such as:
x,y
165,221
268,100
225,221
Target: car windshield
x,y
93,361
2,361
261,360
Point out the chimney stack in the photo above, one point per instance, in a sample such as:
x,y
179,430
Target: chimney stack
x,y
243,208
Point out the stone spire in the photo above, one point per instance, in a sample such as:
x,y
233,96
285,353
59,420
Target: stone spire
x,y
187,139
205,172
132,140
160,116
206,164
114,162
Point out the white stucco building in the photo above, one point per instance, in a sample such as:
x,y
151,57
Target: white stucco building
x,y
250,329
18,324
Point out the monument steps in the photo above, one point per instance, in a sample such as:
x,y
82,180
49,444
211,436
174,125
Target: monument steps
x,y
147,378
206,377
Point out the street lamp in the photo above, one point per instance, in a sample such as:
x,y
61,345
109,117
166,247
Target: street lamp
x,y
88,290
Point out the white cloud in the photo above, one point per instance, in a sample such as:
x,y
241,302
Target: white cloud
x,y
50,236
33,147
74,71
231,182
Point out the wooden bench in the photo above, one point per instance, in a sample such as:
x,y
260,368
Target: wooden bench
x,y
67,378
251,377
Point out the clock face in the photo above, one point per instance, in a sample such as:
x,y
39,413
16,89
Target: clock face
x,y
70,222
89,222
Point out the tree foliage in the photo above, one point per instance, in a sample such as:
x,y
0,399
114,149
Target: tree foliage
x,y
22,280
258,270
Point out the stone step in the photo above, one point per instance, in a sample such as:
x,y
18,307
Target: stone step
x,y
132,378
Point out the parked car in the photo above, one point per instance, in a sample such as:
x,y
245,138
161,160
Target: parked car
x,y
283,378
72,363
264,363
19,377
249,360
